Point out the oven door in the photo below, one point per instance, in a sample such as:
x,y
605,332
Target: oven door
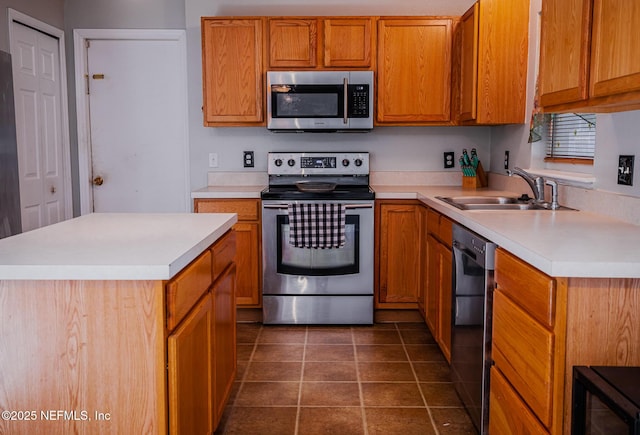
x,y
347,270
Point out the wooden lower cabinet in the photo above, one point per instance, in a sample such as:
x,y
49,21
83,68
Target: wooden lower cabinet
x,y
508,413
542,327
137,356
201,360
191,378
438,297
224,340
400,235
249,242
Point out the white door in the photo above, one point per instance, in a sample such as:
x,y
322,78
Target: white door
x,y
38,100
137,124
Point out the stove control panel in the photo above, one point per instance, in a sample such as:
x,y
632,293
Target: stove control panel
x,y
318,163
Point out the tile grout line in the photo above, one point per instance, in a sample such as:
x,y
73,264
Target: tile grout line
x,y
299,405
360,393
415,376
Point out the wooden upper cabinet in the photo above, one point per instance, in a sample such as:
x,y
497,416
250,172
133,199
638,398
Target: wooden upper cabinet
x,y
564,51
615,48
293,42
414,71
348,42
589,55
232,71
469,63
494,36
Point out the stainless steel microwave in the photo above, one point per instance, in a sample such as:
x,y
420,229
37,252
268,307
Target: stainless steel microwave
x,y
320,100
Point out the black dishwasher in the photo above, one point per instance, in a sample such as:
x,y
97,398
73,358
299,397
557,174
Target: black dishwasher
x,y
473,270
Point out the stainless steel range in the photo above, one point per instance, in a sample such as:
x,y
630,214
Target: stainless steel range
x,y
304,283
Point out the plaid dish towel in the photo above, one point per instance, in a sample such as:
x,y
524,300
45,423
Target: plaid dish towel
x,y
316,225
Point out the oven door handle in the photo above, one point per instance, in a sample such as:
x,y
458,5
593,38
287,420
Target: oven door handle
x,y
347,206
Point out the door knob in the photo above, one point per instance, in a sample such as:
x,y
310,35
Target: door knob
x,y
98,181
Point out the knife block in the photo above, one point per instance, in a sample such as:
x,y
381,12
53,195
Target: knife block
x,y
479,180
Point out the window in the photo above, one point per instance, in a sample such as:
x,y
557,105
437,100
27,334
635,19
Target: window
x,y
571,137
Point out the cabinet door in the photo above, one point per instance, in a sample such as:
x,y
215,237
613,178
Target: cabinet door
x,y
615,45
469,63
523,351
564,51
224,338
401,228
248,261
293,43
433,283
414,71
347,42
191,378
445,298
508,414
248,245
232,71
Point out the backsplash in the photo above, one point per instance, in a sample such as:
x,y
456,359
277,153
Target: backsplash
x,y
615,205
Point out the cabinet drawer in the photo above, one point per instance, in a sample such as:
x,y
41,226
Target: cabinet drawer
x,y
187,287
445,232
247,209
507,412
440,226
527,286
523,351
224,251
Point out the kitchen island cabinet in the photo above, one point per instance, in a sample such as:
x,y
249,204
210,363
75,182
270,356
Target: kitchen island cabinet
x,y
249,239
118,323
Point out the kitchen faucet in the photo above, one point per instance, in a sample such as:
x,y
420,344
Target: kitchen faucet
x,y
536,183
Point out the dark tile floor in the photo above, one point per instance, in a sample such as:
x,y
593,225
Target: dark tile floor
x,y
389,378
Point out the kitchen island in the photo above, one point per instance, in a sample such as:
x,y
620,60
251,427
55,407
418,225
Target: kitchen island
x,y
118,323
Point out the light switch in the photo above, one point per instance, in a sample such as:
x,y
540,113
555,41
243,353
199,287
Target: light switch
x,y
213,160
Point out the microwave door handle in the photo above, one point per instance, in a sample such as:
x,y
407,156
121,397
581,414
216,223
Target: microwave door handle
x,y
345,83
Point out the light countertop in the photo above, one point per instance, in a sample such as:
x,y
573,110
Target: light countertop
x,y
222,192
559,243
112,246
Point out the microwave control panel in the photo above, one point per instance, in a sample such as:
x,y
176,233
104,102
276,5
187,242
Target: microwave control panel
x,y
358,105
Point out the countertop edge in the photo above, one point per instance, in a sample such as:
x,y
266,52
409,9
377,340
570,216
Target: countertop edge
x,y
150,271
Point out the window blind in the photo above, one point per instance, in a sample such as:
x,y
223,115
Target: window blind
x,y
571,135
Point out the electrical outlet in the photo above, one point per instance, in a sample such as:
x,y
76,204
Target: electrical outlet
x,y
248,159
506,159
449,161
625,170
213,160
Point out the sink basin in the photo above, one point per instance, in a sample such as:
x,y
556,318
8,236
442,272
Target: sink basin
x,y
498,203
455,200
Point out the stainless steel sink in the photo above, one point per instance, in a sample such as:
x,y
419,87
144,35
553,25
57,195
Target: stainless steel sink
x,y
456,200
495,203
